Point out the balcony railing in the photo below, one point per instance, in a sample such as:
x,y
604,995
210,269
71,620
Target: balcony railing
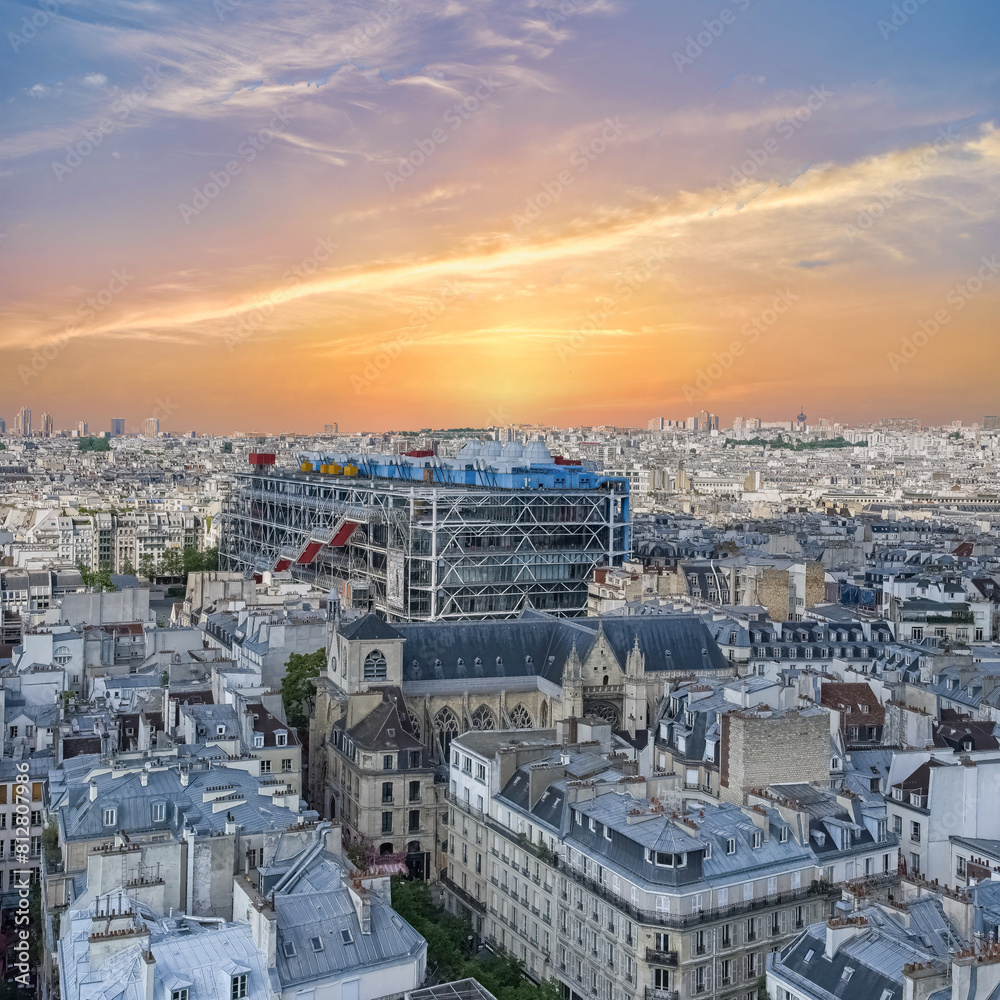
x,y
463,895
682,920
663,958
652,993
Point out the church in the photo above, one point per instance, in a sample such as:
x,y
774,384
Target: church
x,y
445,678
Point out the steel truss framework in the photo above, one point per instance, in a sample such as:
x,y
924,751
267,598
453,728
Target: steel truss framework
x,y
429,551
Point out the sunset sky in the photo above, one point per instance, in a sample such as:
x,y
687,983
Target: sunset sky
x,y
410,213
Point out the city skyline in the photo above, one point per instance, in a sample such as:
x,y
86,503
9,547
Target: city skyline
x,y
139,426
563,213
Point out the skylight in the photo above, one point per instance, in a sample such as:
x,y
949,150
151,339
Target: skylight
x,y
317,943
345,936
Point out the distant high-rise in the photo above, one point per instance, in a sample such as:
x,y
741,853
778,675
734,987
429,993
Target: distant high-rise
x,y
22,422
656,424
48,425
82,428
991,423
117,426
151,427
330,429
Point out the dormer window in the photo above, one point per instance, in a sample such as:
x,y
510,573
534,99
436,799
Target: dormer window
x,y
110,816
783,836
758,839
220,730
731,845
281,739
258,740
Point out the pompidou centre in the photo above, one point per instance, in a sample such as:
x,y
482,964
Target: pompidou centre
x,y
416,537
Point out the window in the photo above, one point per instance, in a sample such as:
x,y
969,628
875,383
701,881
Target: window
x,y
758,839
915,832
731,845
387,762
159,812
386,791
317,943
286,763
375,668
897,823
281,739
481,772
258,740
181,994
110,815
387,822
238,988
414,758
414,823
265,767
783,836
346,936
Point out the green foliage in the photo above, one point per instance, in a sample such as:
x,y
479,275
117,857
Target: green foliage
x,y
781,442
762,988
298,688
198,562
99,579
227,447
147,566
450,942
172,563
94,444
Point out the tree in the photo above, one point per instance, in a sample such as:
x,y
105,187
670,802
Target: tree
x,y
298,689
147,566
172,563
99,579
127,568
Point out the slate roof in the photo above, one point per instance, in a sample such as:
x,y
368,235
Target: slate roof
x,y
83,819
539,644
373,731
369,627
202,959
319,934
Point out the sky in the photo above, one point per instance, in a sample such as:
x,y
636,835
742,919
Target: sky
x,y
233,214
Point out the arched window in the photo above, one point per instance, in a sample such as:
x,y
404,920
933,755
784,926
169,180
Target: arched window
x,y
602,710
386,849
415,725
483,718
62,655
446,726
605,681
519,717
545,714
375,668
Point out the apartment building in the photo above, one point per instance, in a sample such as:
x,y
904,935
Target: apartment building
x,y
380,781
22,796
561,853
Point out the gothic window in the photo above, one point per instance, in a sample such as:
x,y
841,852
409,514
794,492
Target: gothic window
x,y
446,726
375,668
415,725
545,714
483,718
602,710
519,718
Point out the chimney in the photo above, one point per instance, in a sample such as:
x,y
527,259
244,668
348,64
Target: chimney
x,y
185,777
839,931
93,790
148,974
144,778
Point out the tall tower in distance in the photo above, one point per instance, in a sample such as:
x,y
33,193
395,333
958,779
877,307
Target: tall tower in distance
x,y
48,425
117,426
22,422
